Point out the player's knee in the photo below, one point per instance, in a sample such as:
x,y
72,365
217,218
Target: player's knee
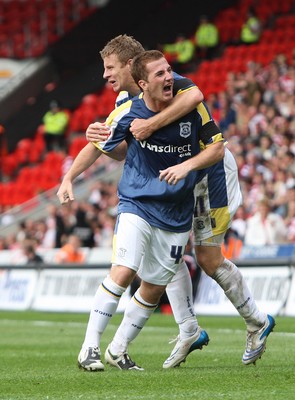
x,y
209,259
151,293
122,276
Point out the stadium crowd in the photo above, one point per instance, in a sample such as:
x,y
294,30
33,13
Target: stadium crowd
x,y
256,113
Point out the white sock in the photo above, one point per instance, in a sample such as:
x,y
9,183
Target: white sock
x,y
230,279
136,315
180,296
105,304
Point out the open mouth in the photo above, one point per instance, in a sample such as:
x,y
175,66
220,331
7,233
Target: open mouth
x,y
168,88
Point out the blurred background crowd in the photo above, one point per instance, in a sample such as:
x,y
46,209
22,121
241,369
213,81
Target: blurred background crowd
x,y
252,101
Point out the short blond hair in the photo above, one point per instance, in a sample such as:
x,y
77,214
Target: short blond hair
x,y
125,47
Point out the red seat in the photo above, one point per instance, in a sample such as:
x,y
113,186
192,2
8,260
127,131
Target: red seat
x,y
21,192
22,150
34,155
53,159
267,36
9,165
26,176
7,193
77,145
38,141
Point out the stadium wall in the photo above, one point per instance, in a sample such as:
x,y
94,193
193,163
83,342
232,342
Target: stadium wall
x,y
71,288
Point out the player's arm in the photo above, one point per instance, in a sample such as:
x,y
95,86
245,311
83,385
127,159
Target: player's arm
x,y
206,158
100,132
119,153
87,156
183,103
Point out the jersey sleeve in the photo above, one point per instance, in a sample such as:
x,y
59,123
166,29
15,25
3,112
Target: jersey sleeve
x,y
209,132
181,84
119,124
122,97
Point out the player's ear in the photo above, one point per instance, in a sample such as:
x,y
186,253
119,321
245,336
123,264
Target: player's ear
x,y
142,84
129,62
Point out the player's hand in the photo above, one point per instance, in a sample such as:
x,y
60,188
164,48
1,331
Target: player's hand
x,y
65,192
97,132
173,175
140,129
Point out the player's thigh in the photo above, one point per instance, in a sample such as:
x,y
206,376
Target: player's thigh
x,y
233,189
163,256
131,237
202,223
151,293
216,202
122,276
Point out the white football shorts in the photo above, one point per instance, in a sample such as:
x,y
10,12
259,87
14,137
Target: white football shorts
x,y
222,189
153,253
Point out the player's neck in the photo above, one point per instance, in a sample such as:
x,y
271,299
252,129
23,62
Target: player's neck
x,y
153,104
133,89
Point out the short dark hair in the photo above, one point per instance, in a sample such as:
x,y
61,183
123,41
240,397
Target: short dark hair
x,y
54,104
138,66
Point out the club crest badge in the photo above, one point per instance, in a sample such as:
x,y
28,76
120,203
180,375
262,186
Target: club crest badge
x,y
121,252
185,129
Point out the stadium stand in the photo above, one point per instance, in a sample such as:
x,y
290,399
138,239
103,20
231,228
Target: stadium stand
x,y
28,171
27,28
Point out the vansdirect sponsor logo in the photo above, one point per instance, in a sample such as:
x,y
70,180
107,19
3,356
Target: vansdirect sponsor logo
x,y
184,150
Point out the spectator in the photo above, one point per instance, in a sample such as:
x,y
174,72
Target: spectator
x,y
95,195
71,251
2,243
261,135
227,114
65,221
279,195
206,38
21,231
251,29
232,245
29,251
55,123
239,223
180,54
265,227
107,226
290,214
82,227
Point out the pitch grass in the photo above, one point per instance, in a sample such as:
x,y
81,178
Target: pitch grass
x,y
38,361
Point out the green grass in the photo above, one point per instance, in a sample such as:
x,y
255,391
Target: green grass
x,y
38,361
